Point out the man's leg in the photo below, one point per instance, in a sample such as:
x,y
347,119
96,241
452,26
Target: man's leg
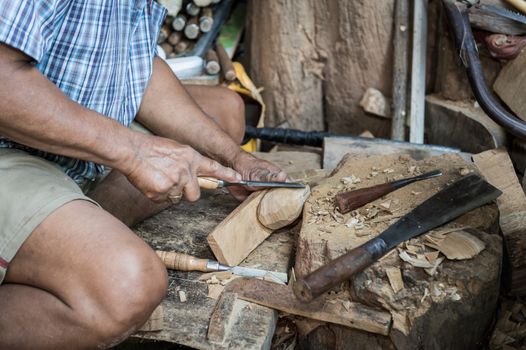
x,y
125,202
82,280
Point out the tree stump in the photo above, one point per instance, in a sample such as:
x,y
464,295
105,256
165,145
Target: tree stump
x,y
316,59
451,308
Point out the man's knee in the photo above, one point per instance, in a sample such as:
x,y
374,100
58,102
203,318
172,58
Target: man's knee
x,y
116,309
234,113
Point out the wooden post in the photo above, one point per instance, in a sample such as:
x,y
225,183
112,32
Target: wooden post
x,y
418,72
400,70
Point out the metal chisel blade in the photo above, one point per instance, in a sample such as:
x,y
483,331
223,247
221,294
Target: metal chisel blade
x,y
251,272
265,184
504,12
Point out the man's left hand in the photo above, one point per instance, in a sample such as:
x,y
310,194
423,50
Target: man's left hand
x,y
254,169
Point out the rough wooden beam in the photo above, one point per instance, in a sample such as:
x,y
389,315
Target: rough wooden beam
x,y
497,168
281,297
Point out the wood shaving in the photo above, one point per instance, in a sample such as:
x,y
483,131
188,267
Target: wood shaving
x,y
432,256
213,280
463,171
432,271
414,261
426,293
458,245
347,180
415,193
386,205
388,171
346,304
395,278
182,296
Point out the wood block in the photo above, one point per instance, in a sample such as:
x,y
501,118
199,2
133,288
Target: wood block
x,y
511,85
334,148
280,207
461,125
457,302
497,168
239,233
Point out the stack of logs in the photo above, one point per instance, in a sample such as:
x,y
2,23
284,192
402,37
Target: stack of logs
x,y
180,33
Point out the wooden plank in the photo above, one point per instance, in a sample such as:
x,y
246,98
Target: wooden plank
x,y
239,233
418,72
497,168
511,84
281,297
334,148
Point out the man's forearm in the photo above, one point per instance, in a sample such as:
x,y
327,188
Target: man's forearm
x,y
169,111
34,112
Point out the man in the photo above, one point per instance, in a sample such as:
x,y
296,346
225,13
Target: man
x,y
73,75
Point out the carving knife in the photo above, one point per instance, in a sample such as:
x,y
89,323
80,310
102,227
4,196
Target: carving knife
x,y
459,198
211,183
185,262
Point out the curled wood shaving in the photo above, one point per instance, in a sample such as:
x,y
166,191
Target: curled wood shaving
x,y
414,261
458,245
436,264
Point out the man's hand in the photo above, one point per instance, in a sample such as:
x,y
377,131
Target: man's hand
x,y
255,169
163,169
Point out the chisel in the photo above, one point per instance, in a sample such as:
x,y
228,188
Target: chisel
x,y
211,183
347,201
459,198
185,262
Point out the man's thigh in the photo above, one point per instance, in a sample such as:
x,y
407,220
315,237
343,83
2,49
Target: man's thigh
x,y
31,188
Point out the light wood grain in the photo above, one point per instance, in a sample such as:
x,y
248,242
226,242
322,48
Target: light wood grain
x,y
239,233
497,168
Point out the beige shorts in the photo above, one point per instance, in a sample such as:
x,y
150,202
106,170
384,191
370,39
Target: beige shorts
x,y
31,188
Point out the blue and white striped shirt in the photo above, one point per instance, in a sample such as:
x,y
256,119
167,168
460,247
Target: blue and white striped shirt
x,y
98,52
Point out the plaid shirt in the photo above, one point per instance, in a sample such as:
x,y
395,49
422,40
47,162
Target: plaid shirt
x,y
98,52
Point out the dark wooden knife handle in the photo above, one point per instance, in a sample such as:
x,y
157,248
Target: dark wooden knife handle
x,y
347,201
339,270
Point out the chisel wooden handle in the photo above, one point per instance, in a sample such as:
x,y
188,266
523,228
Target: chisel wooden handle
x,y
182,262
209,183
339,270
354,199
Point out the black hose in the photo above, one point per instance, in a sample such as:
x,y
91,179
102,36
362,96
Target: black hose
x,y
288,136
459,21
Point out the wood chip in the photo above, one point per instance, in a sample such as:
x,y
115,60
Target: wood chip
x,y
346,304
395,278
459,245
463,171
432,271
215,290
182,296
432,256
386,205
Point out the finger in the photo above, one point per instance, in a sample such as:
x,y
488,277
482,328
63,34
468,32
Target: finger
x,y
238,192
209,167
191,190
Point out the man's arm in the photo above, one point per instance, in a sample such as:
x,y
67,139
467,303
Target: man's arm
x,y
34,112
169,111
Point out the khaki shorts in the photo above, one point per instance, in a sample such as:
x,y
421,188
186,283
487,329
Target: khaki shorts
x,y
31,188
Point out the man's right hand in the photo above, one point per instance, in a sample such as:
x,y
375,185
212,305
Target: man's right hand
x,y
162,169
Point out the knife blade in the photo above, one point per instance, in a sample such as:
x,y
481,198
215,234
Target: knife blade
x,y
459,198
211,183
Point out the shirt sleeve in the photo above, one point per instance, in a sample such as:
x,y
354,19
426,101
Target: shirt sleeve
x,y
26,25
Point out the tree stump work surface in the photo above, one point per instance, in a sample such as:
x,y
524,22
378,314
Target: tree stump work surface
x,y
451,309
